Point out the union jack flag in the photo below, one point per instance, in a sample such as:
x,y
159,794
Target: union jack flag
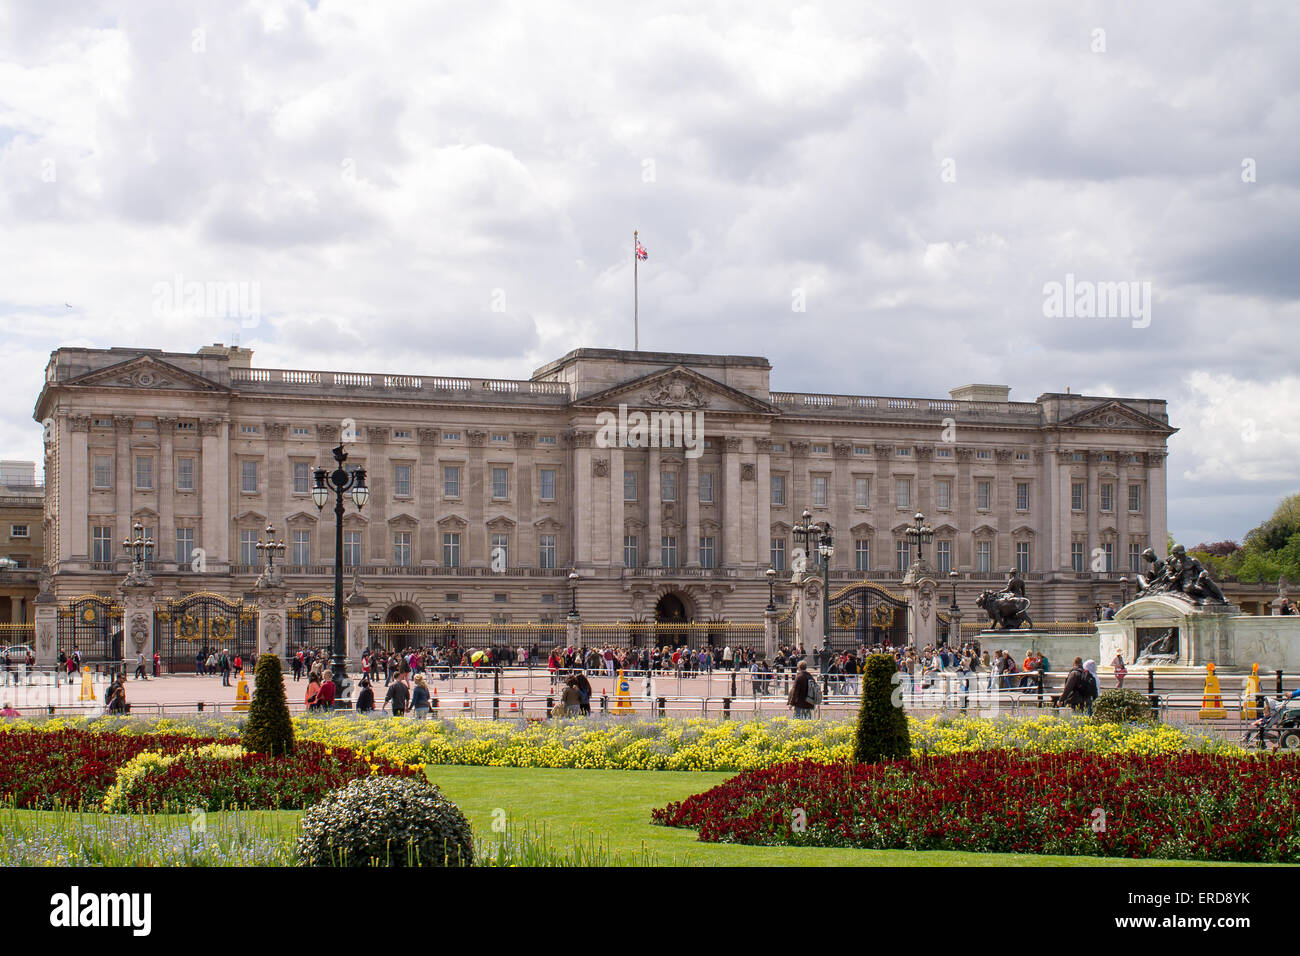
x,y
640,252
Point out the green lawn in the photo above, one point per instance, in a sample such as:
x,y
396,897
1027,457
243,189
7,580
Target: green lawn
x,y
615,806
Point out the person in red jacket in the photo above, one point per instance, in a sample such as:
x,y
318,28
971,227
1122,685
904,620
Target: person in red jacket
x,y
326,696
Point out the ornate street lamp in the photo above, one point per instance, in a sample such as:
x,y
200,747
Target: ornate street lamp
x,y
921,534
1123,590
140,550
573,594
270,547
954,612
340,482
771,593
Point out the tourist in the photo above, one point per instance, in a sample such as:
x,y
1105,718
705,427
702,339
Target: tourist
x,y
570,699
420,698
399,695
237,665
157,664
1091,685
584,688
312,699
72,667
798,699
139,667
365,697
117,698
210,664
1075,693
326,695
8,711
1120,671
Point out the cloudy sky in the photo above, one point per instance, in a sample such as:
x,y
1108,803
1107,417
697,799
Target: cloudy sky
x,y
452,188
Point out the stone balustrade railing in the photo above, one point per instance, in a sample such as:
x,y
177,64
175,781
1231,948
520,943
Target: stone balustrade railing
x,y
297,380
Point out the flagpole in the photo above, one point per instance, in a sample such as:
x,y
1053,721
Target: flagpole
x,y
636,298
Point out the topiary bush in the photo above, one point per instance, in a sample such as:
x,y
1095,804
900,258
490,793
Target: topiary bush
x,y
385,821
882,726
1123,707
268,729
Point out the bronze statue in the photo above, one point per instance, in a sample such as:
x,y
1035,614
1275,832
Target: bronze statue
x,y
1182,576
1009,607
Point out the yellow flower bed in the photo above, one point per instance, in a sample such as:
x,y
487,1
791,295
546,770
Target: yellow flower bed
x,y
131,772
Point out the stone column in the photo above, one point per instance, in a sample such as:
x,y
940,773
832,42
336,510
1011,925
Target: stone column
x,y
138,614
692,510
731,517
356,612
771,633
166,485
806,588
1157,520
654,509
47,628
616,513
841,505
922,614
272,619
527,493
1059,464
214,537
1094,505
379,480
475,494
124,484
573,630
966,517
1004,490
763,501
1121,511
74,493
429,477
582,492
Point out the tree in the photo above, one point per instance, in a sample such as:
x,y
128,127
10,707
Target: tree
x,y
268,730
882,726
1274,533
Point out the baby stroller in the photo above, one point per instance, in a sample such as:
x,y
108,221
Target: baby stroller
x,y
1280,725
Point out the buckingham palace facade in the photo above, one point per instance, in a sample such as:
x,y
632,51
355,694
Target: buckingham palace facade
x,y
485,494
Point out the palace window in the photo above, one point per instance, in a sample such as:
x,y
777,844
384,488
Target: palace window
x,y
862,492
1078,496
630,551
819,484
903,554
301,554
248,477
984,556
103,477
668,486
706,552
184,548
668,551
1022,496
984,495
402,481
402,549
629,486
1022,557
903,490
451,481
1134,498
706,489
184,474
144,474
546,551
500,551
500,483
547,483
943,554
102,542
777,556
451,549
1076,555
1135,556
778,489
248,548
862,554
1107,496
351,549
943,494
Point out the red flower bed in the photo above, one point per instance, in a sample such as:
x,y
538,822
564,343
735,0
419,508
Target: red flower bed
x,y
256,780
1182,806
43,770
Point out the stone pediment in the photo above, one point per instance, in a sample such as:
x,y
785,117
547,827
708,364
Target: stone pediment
x,y
452,521
678,389
404,518
1115,416
146,371
862,528
501,523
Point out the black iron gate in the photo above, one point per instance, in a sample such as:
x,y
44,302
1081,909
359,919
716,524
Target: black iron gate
x,y
311,625
92,625
866,614
201,624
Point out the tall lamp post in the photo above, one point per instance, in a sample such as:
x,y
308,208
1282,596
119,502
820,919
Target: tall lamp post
x,y
1123,590
573,594
771,591
340,482
954,612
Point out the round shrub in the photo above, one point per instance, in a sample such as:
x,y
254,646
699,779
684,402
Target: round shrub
x,y
882,732
269,730
385,821
1123,707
